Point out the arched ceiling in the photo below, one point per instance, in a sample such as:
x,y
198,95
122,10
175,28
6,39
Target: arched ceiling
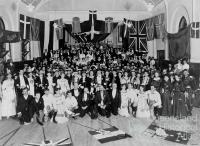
x,y
85,5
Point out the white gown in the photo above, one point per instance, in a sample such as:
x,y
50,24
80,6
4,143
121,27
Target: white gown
x,y
8,107
143,110
64,85
123,111
31,86
51,84
59,105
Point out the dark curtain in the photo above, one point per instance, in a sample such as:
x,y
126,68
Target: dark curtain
x,y
41,36
179,44
51,33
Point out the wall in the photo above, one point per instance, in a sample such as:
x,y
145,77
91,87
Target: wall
x,y
8,11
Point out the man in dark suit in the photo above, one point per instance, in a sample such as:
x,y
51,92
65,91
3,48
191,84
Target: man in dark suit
x,y
84,81
41,83
115,99
76,92
84,104
103,102
25,107
21,82
39,108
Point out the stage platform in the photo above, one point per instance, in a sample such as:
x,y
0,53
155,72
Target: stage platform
x,y
80,136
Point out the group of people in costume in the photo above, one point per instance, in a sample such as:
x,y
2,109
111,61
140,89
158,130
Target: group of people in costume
x,y
97,82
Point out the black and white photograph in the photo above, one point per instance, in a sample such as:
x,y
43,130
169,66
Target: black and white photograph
x,y
99,72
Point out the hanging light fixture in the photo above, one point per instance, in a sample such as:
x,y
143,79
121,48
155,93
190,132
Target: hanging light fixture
x,y
30,7
149,6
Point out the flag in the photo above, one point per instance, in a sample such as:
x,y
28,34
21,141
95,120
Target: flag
x,y
55,40
93,28
179,44
109,135
35,49
108,24
76,27
138,37
124,33
25,23
51,36
195,30
159,26
150,29
42,36
59,28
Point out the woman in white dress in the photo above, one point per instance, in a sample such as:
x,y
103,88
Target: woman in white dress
x,y
8,107
63,84
59,106
143,110
31,84
125,79
50,83
1,94
123,111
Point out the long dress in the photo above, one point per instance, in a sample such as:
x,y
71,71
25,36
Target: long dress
x,y
166,99
1,94
123,111
51,84
8,107
143,110
179,108
31,86
59,105
64,85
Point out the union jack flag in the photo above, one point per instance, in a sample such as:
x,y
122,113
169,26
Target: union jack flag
x,y
138,37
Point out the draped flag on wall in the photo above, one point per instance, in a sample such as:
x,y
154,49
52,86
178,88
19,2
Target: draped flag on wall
x,y
92,30
25,23
111,28
138,37
32,33
195,30
179,44
135,36
159,26
59,28
51,35
76,27
108,24
35,38
150,29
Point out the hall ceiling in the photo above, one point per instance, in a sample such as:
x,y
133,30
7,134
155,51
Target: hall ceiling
x,y
85,5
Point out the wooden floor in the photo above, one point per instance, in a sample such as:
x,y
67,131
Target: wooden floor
x,y
81,137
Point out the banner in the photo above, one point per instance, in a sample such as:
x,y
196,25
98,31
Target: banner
x,y
179,44
9,36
